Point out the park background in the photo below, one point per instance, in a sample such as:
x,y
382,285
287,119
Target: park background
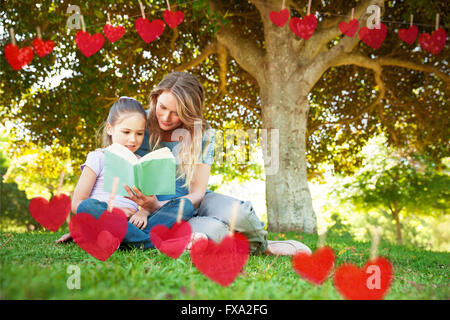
x,y
375,132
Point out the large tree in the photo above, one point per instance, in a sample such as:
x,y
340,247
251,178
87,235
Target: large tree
x,y
326,96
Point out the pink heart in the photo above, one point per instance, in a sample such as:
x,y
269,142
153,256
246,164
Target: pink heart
x,y
279,18
149,31
173,19
304,28
408,35
373,37
433,43
173,241
350,28
88,44
113,33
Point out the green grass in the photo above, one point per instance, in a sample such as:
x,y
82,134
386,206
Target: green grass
x,y
34,267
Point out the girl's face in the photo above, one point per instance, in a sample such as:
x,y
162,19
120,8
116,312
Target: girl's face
x,y
128,131
166,112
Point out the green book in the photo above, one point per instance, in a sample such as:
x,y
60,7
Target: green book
x,y
153,174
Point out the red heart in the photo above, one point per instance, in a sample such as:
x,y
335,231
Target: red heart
x,y
349,28
42,47
88,44
373,37
221,262
51,215
149,31
435,42
408,35
173,241
316,267
173,19
303,28
279,18
99,237
18,58
370,283
113,33
106,242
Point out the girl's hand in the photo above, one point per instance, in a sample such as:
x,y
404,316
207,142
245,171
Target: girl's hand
x,y
149,203
139,219
128,211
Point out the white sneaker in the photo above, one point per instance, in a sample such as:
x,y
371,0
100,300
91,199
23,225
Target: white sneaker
x,y
286,247
195,236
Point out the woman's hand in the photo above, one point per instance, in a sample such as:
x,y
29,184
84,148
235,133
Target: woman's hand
x,y
149,203
139,219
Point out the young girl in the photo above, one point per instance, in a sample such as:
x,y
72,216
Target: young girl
x,y
126,124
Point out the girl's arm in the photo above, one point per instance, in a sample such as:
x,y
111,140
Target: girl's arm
x,y
84,187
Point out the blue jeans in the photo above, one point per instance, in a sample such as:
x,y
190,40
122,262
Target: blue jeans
x,y
166,215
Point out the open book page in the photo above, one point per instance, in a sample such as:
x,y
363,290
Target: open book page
x,y
123,152
158,154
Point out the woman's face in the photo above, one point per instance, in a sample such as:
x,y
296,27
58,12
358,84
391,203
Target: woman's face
x,y
166,112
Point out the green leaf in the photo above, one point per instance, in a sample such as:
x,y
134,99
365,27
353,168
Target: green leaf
x,y
99,14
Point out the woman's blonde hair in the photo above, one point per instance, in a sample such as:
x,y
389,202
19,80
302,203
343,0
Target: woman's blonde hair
x,y
189,94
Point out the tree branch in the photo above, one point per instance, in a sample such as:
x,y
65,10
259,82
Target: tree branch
x,y
377,66
362,61
245,51
365,62
386,61
322,36
210,49
223,71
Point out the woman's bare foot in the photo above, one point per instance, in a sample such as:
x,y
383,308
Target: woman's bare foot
x,y
286,247
65,238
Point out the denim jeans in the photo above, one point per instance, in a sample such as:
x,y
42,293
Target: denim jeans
x,y
166,215
212,218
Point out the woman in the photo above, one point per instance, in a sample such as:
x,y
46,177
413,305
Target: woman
x,y
175,120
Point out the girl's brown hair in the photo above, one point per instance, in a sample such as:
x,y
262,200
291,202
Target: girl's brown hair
x,y
122,106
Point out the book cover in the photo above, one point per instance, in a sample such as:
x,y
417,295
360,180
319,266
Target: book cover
x,y
153,174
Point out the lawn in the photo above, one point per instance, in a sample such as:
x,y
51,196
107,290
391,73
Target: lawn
x,y
34,267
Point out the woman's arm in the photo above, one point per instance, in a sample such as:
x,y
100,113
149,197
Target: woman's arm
x,y
199,184
197,191
84,187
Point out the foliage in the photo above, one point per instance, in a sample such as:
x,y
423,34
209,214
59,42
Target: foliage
x,y
397,188
395,183
414,110
38,170
13,202
415,117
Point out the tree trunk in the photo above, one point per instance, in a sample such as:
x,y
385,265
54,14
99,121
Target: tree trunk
x,y
398,226
285,111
